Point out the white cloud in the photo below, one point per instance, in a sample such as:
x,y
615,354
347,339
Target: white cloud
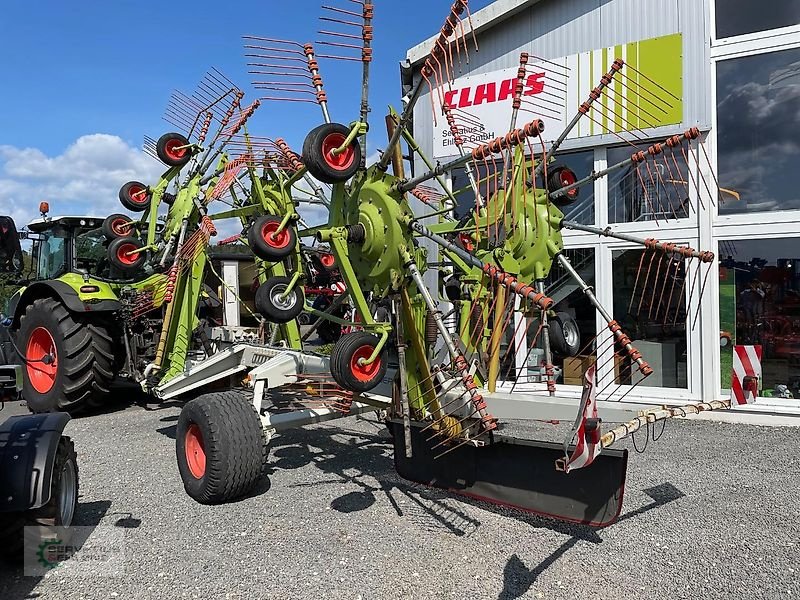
x,y
83,180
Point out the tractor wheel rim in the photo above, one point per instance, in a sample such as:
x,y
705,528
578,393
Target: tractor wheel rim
x,y
41,375
283,303
195,451
123,254
570,334
273,237
342,161
120,226
67,493
364,373
175,149
137,194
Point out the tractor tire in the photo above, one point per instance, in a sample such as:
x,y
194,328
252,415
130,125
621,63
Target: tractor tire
x,y
82,356
318,159
266,244
135,196
119,254
220,446
272,307
173,149
565,337
59,510
116,226
344,362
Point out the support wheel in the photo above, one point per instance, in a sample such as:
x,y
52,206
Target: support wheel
x,y
59,510
269,244
69,361
135,196
319,158
173,149
565,337
120,254
116,226
346,358
272,304
220,446
561,177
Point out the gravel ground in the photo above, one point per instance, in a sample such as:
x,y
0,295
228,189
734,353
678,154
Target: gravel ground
x,y
711,511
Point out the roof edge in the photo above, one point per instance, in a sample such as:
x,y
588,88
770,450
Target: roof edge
x,y
487,17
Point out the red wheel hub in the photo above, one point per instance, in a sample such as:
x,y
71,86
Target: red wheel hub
x,y
342,161
124,254
361,372
195,451
42,375
175,149
327,260
120,226
137,194
274,238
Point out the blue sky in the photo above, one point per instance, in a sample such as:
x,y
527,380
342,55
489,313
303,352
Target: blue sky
x,y
84,81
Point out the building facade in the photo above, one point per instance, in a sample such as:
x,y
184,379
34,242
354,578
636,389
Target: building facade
x,y
733,71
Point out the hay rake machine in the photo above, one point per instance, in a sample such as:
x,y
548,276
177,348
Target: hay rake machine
x,y
433,360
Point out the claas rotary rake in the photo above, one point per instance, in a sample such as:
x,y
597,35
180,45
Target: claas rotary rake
x,y
433,357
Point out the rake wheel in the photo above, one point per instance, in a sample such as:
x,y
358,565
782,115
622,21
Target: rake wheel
x,y
173,149
272,304
346,358
319,158
116,226
135,196
269,244
120,254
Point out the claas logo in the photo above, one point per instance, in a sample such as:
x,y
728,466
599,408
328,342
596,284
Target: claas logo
x,y
493,91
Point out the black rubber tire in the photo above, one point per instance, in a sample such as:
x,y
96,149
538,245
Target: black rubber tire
x,y
116,254
271,307
84,353
117,225
318,141
554,184
258,236
233,442
170,156
565,336
344,353
132,198
12,524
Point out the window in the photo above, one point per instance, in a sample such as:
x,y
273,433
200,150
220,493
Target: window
x,y
580,210
739,17
759,305
758,101
577,315
658,191
650,291
52,254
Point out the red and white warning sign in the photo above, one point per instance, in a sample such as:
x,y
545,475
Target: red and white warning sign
x,y
587,432
746,374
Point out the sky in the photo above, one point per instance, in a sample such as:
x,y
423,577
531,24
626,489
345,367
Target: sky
x,y
83,82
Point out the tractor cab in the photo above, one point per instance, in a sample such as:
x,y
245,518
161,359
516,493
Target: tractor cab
x,y
69,245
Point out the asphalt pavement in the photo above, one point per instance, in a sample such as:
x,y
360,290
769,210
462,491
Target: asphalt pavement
x,y
711,511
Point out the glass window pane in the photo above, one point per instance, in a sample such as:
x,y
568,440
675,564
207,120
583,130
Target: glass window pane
x,y
658,190
759,304
580,210
758,103
739,17
650,305
572,308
